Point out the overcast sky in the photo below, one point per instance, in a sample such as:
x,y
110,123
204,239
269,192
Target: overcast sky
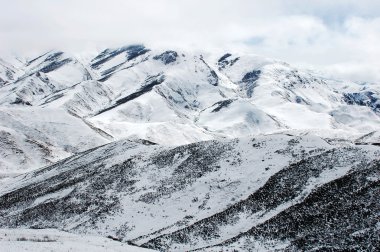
x,y
341,37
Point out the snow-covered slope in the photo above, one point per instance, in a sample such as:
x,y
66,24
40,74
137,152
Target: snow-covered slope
x,y
214,194
36,240
47,74
31,137
8,72
179,97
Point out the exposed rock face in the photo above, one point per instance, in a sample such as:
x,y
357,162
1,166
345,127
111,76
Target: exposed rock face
x,y
167,57
367,98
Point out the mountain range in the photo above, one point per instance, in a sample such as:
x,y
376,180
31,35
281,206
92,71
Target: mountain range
x,y
178,151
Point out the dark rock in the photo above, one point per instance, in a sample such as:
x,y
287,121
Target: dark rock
x,y
226,60
366,98
131,51
249,81
147,86
221,104
167,57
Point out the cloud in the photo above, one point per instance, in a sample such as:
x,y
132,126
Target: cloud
x,y
340,36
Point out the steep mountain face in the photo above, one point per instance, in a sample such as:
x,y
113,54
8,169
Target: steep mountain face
x,y
275,191
31,138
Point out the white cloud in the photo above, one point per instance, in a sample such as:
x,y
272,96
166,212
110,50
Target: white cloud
x,y
341,36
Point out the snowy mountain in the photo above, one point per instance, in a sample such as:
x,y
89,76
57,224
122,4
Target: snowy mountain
x,y
178,151
173,98
275,191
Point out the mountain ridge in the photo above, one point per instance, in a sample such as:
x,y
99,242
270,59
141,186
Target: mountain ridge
x,y
116,94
